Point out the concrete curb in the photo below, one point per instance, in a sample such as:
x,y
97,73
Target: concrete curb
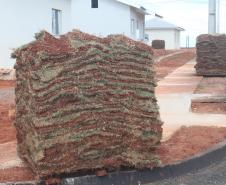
x,y
134,177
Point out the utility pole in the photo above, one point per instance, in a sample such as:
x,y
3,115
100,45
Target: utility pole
x,y
187,41
218,16
212,16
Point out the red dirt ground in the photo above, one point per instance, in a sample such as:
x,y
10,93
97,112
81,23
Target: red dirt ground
x,y
163,52
169,64
189,141
183,144
8,136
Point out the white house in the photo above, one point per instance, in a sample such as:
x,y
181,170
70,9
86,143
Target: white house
x,y
21,19
109,16
159,29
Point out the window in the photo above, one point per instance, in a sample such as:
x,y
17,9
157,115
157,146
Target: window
x,y
132,26
94,3
56,21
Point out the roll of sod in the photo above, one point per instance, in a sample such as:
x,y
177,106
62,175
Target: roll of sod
x,y
211,55
86,103
158,44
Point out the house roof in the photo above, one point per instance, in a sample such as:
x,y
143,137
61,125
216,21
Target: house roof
x,y
159,23
138,7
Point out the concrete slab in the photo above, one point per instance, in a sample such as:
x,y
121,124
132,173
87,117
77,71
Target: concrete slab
x,y
174,94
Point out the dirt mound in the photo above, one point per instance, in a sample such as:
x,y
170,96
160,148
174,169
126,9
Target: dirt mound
x,y
188,141
86,103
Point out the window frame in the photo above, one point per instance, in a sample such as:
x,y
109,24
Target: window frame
x,y
94,4
56,21
132,26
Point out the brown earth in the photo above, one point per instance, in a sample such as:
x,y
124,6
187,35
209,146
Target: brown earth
x,y
8,137
189,141
16,174
163,52
4,83
169,64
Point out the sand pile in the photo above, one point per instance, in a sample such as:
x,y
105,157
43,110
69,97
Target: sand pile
x,y
85,103
211,55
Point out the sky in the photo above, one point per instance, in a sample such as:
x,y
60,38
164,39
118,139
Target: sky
x,y
192,15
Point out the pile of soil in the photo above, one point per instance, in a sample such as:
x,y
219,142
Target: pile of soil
x,y
211,56
188,141
169,64
85,103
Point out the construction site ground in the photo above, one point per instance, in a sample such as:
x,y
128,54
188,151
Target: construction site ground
x,y
184,133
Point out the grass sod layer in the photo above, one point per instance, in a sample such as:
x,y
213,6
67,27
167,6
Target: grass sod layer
x,y
211,56
86,103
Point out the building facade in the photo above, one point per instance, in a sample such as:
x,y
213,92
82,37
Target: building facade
x,y
22,19
159,29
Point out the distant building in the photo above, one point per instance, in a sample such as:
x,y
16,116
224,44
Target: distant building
x,y
22,19
159,29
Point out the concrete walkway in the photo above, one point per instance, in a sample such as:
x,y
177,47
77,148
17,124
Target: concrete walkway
x,y
174,95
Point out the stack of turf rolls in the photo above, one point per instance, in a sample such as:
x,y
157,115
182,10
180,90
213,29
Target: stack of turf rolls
x,y
158,44
86,103
211,55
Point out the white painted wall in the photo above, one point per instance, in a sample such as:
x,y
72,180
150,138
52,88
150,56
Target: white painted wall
x,y
111,17
139,24
171,37
20,19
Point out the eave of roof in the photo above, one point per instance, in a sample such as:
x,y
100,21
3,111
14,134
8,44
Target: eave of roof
x,y
159,28
159,23
139,8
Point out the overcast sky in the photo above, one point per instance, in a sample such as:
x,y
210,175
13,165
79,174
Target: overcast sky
x,y
192,15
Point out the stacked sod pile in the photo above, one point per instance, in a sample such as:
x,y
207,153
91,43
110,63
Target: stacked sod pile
x,y
158,44
86,103
211,55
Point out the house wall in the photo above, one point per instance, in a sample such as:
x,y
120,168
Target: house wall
x,y
21,19
111,17
177,39
139,24
171,37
